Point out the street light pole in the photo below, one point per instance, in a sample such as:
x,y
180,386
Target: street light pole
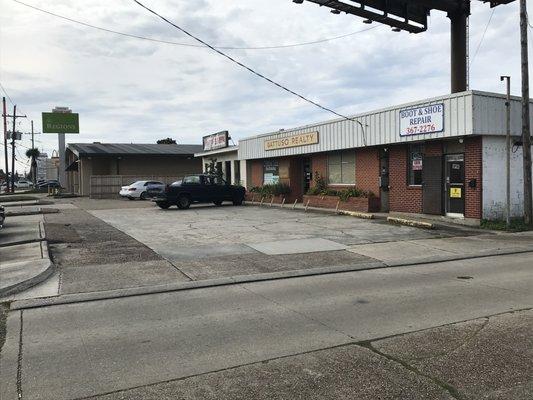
x,y
508,152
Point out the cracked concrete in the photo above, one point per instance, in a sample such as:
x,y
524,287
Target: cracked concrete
x,y
485,358
390,369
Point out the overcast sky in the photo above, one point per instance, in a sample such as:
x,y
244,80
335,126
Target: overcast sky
x,y
134,91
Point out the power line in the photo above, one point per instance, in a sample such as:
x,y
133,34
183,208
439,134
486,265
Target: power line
x,y
7,95
483,36
233,60
130,35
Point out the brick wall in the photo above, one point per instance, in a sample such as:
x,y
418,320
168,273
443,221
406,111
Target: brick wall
x,y
403,198
367,170
432,149
473,170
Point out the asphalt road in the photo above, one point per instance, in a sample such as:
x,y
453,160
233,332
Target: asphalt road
x,y
90,349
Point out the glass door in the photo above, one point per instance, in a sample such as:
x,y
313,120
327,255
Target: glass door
x,y
455,185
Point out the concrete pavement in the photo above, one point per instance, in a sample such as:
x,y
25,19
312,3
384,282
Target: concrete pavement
x,y
84,349
481,358
24,258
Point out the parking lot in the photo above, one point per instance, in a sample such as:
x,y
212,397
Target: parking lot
x,y
211,242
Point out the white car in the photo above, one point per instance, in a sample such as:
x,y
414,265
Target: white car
x,y
140,189
23,184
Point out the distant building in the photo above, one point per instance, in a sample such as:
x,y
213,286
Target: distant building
x,y
46,168
226,163
100,169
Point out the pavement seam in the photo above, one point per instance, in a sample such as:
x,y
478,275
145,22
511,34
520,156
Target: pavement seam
x,y
19,357
463,342
452,391
180,271
356,343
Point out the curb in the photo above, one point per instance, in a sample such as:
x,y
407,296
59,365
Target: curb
x,y
410,222
316,210
21,242
240,279
35,212
357,214
28,283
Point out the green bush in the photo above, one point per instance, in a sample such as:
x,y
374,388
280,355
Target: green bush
x,y
320,188
276,189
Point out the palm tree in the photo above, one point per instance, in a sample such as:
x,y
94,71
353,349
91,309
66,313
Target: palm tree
x,y
33,154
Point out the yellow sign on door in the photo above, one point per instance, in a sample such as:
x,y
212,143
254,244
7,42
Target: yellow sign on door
x,y
455,193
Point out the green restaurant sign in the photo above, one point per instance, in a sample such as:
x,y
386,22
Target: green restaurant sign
x,y
61,122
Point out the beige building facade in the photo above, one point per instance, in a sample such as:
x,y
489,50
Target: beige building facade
x,y
91,163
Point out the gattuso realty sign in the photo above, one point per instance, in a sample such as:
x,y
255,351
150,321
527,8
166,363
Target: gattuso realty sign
x,y
420,120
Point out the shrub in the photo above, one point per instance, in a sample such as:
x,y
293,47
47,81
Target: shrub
x,y
320,189
276,189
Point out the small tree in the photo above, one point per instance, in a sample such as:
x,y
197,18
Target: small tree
x,y
213,169
33,154
166,141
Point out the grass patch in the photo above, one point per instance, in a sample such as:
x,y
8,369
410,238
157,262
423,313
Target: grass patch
x,y
517,225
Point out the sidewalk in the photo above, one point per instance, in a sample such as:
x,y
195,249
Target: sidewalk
x,y
446,249
24,257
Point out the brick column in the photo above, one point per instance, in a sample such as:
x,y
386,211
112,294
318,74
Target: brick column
x,y
473,170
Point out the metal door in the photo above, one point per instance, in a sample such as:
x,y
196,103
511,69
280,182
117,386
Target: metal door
x,y
455,185
432,185
308,175
384,179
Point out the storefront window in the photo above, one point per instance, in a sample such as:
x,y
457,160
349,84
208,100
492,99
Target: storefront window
x,y
270,172
341,168
416,161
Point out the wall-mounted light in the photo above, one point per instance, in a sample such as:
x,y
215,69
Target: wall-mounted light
x,y
396,29
461,140
335,11
367,21
298,1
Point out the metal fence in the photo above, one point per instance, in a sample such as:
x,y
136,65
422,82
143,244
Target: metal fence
x,y
108,186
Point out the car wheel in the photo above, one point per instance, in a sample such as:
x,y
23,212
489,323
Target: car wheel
x,y
143,196
217,203
238,202
184,202
163,204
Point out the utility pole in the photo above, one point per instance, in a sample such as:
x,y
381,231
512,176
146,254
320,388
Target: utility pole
x,y
32,136
508,152
4,117
33,167
13,136
526,130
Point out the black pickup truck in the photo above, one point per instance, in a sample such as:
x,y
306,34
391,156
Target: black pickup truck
x,y
199,189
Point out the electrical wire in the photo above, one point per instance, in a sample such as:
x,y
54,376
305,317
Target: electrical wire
x,y
240,64
482,37
7,95
130,35
9,98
